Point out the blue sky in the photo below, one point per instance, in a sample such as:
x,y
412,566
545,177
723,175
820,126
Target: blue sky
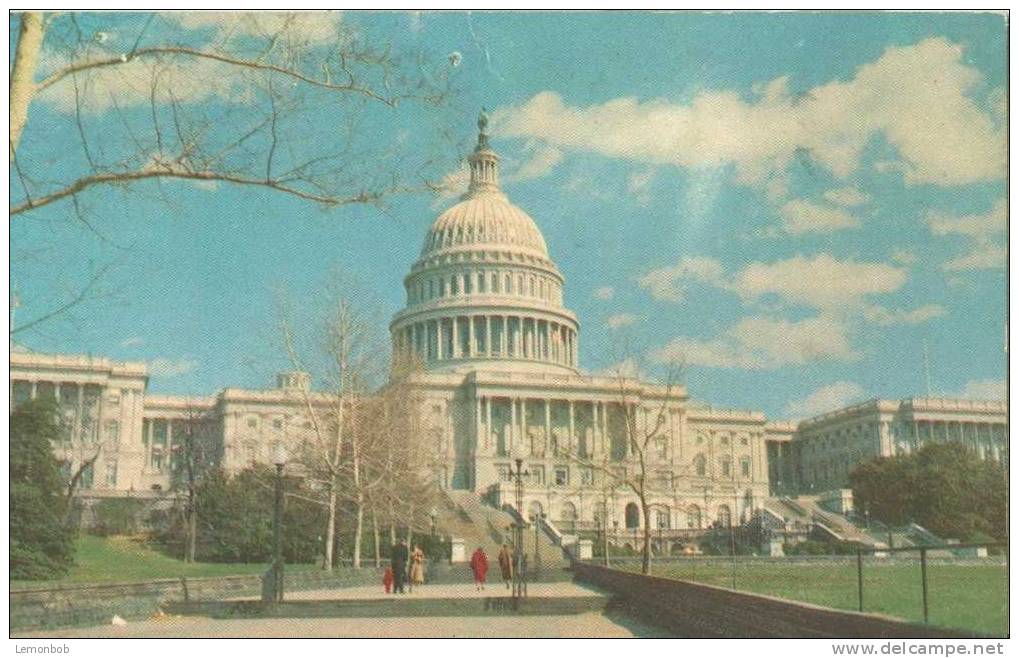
x,y
791,204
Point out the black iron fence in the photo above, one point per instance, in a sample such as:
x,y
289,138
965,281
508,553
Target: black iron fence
x,y
961,586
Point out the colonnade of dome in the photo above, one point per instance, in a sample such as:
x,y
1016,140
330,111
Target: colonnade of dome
x,y
484,288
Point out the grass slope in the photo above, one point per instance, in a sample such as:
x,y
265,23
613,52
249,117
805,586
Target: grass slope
x,y
113,559
960,596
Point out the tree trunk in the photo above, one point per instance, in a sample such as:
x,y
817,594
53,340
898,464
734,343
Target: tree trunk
x,y
376,538
330,526
22,88
645,560
358,532
192,527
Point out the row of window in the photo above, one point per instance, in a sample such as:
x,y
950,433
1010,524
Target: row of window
x,y
484,282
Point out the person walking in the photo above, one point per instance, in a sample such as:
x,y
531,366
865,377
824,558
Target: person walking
x,y
398,558
479,565
506,564
417,567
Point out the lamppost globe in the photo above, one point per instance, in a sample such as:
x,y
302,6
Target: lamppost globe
x,y
279,454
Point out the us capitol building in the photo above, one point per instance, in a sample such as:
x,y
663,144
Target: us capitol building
x,y
485,316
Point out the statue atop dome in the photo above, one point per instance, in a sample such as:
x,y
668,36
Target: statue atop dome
x,y
482,131
484,162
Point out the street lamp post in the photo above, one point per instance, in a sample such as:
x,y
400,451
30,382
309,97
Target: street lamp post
x,y
280,460
615,535
518,535
536,520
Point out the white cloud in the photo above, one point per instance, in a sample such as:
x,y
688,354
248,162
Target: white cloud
x,y
918,97
799,216
822,282
670,283
625,369
985,233
638,185
847,196
756,343
604,293
131,84
620,320
986,226
133,341
885,317
826,398
171,368
902,256
985,389
318,27
543,159
981,257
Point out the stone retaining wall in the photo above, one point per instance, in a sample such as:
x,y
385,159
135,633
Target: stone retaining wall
x,y
695,610
87,605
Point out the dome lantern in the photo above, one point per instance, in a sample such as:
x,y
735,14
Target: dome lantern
x,y
484,163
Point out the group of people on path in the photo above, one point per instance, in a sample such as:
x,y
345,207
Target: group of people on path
x,y
479,566
406,569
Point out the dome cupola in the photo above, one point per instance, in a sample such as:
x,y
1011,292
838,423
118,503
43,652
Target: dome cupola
x,y
484,292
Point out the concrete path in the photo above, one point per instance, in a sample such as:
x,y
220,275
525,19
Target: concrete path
x,y
607,623
589,625
438,591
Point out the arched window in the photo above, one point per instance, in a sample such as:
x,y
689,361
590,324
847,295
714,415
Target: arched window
x,y
724,516
481,282
662,518
495,282
567,514
693,517
453,288
632,516
700,465
467,284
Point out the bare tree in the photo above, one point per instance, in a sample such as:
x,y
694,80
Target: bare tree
x,y
279,102
333,448
191,457
643,419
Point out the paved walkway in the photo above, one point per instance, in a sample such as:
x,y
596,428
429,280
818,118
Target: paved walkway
x,y
438,591
563,626
609,623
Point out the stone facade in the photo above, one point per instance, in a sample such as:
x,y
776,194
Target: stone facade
x,y
826,447
485,317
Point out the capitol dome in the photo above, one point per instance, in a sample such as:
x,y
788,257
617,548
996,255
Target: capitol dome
x,y
484,292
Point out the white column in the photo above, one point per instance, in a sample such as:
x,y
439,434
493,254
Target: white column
x,y
470,336
478,429
548,423
523,423
488,422
573,435
513,426
148,450
456,337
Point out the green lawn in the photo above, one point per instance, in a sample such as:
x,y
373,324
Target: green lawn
x,y
109,559
959,595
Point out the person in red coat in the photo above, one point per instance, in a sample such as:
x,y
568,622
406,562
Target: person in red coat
x,y
479,565
387,579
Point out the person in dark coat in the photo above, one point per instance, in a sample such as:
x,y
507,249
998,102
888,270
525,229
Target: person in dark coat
x,y
398,559
506,564
479,565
